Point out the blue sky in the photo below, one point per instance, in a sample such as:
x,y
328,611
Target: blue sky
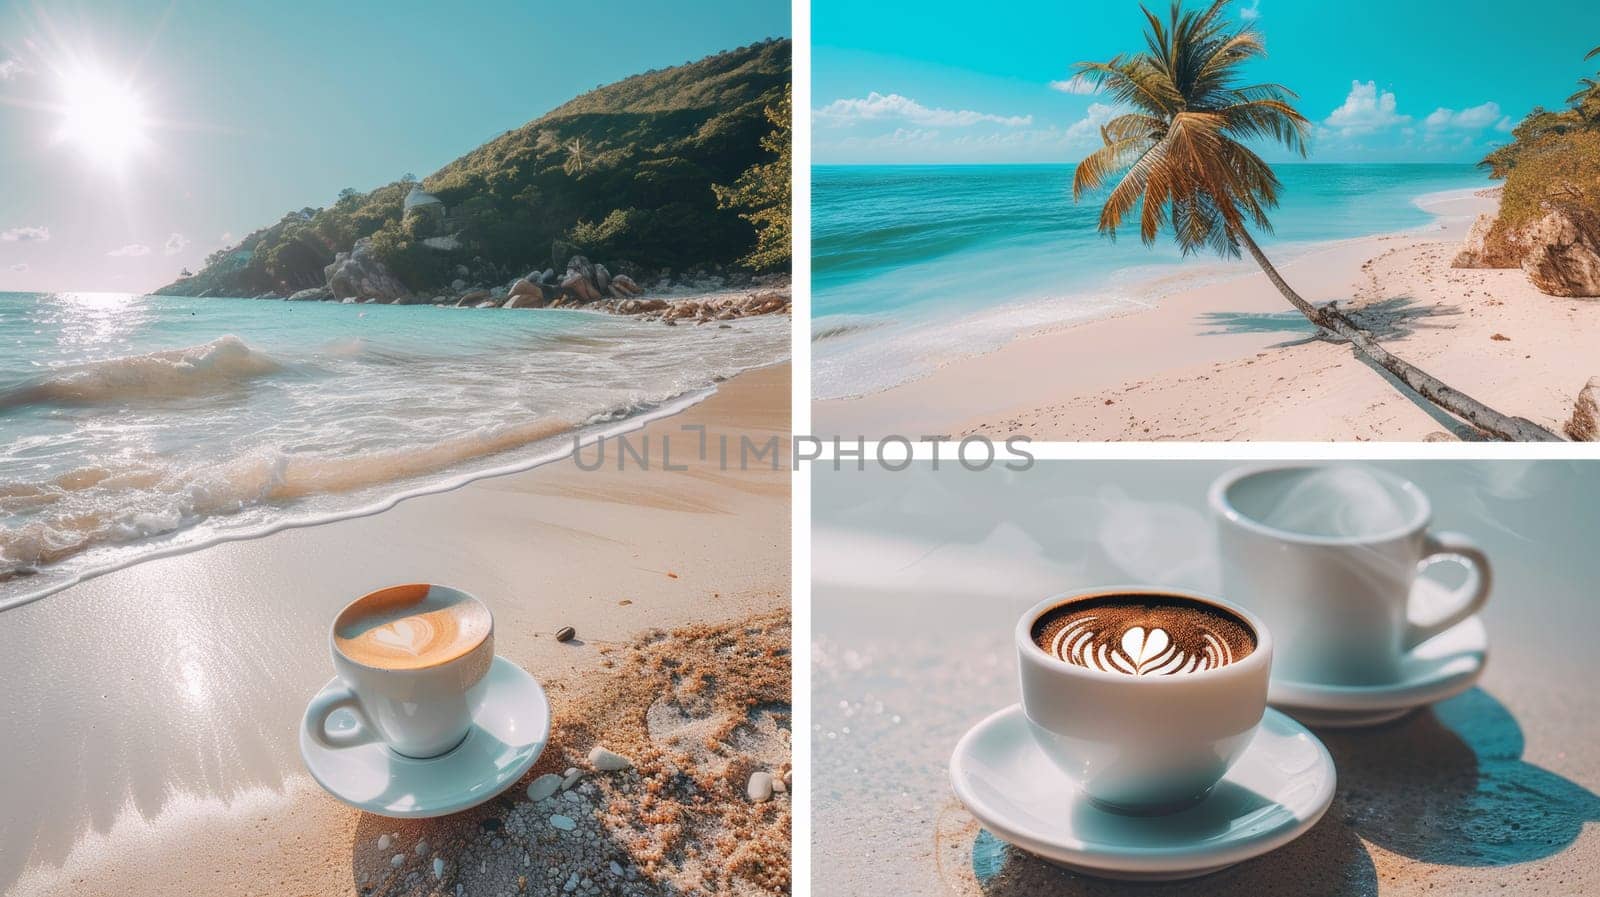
x,y
1385,80
136,137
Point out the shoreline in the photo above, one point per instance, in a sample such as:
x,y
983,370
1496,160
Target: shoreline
x,y
1128,291
569,443
155,735
1219,342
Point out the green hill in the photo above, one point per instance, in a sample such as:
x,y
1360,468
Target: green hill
x,y
624,173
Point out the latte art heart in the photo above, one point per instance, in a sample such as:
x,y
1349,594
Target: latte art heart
x,y
411,627
1143,635
1139,652
407,635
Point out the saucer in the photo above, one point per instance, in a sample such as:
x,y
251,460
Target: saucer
x,y
1275,793
510,726
1441,667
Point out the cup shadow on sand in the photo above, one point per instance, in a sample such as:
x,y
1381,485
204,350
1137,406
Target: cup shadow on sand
x,y
1446,786
1449,786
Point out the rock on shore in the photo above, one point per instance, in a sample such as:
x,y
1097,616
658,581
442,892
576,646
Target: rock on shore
x,y
1560,253
359,274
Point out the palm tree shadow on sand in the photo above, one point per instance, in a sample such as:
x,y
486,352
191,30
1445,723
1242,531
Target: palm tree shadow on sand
x,y
1446,786
1394,318
1390,319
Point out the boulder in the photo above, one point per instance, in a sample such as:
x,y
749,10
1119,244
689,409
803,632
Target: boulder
x,y
602,279
314,294
458,284
526,294
579,287
359,273
1584,426
548,275
526,286
623,283
472,298
1475,252
1563,258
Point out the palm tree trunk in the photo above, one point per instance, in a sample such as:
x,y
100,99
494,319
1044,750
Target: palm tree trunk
x,y
1500,426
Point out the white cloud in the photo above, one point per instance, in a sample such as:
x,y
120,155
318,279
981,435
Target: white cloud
x,y
175,244
1077,84
1475,119
130,251
1089,126
24,234
10,68
1505,125
19,267
227,238
877,106
1251,13
1366,110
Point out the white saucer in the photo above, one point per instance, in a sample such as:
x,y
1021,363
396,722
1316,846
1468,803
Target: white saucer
x,y
1441,667
511,724
1275,793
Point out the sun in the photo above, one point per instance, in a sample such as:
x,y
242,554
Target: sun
x,y
102,117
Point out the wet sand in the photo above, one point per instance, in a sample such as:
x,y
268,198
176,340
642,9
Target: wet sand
x,y
153,720
919,578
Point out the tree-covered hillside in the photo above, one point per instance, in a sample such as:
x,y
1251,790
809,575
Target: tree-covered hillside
x,y
623,173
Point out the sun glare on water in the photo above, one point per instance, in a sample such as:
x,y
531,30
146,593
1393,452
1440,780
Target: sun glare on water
x,y
102,117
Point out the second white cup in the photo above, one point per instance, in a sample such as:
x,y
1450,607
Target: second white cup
x,y
1338,595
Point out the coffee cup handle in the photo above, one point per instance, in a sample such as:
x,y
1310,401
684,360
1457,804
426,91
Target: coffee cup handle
x,y
317,714
1467,599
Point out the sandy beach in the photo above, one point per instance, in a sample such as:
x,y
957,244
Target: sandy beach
x,y
919,578
153,712
1230,360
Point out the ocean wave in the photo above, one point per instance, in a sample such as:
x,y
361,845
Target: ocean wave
x,y
222,364
826,330
92,506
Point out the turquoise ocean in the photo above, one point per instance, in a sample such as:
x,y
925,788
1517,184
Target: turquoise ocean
x,y
134,425
913,265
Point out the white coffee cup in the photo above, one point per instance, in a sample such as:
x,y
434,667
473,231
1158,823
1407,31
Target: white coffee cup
x,y
421,712
1142,744
1341,607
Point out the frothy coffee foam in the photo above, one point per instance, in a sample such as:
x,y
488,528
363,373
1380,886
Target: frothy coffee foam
x,y
410,627
1143,635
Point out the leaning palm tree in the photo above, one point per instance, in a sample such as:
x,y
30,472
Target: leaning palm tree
x,y
1183,161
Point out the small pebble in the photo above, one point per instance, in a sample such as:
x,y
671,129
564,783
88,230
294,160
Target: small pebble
x,y
615,869
779,786
384,841
438,867
606,761
422,848
544,786
562,822
760,787
397,859
565,634
573,775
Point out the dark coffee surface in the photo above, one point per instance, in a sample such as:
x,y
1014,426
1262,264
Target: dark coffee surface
x,y
1143,635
